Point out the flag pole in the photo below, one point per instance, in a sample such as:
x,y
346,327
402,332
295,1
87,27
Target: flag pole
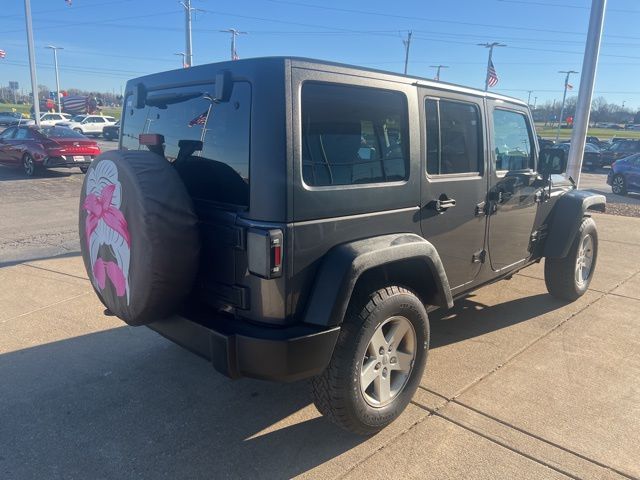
x,y
32,62
585,94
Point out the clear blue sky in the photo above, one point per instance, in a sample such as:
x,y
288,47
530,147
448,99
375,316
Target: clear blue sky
x,y
108,41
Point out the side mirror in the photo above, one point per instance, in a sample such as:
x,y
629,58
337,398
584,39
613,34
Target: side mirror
x,y
224,85
552,161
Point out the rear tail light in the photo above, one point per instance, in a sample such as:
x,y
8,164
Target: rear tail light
x,y
265,252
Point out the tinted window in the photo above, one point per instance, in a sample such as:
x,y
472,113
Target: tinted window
x,y
353,135
23,134
8,133
453,137
220,172
512,141
60,132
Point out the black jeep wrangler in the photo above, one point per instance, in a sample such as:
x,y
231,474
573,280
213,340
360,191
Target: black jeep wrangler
x,y
288,218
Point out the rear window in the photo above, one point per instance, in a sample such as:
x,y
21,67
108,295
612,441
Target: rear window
x,y
220,171
60,132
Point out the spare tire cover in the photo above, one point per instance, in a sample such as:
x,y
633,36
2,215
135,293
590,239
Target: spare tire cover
x,y
138,235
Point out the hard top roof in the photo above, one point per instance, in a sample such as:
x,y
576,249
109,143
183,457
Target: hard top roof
x,y
310,63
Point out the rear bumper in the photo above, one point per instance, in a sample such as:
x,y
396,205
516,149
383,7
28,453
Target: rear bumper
x,y
239,349
54,162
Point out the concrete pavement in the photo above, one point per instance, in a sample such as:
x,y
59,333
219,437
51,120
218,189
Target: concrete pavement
x,y
518,385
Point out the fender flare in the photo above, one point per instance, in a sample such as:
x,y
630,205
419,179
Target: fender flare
x,y
344,264
566,219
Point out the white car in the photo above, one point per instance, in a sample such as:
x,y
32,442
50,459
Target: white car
x,y
88,124
51,119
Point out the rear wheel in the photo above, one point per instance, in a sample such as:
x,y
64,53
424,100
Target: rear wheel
x,y
378,361
29,165
619,185
78,130
84,169
568,278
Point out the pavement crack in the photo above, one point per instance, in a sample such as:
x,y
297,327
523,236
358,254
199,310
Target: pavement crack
x,y
537,437
45,307
53,271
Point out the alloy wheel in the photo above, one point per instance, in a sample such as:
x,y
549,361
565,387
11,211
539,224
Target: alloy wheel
x,y
584,261
388,361
617,186
28,165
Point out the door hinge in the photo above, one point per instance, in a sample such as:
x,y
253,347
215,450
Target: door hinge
x,y
479,257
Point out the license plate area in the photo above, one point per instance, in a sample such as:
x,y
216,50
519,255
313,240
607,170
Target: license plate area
x,y
79,158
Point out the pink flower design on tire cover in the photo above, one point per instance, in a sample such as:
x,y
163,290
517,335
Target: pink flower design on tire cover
x,y
105,225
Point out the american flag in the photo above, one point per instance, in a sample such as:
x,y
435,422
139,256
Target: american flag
x,y
234,55
493,76
200,119
2,53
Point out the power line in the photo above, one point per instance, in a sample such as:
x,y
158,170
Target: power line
x,y
581,7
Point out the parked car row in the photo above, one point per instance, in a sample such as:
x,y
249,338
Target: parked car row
x,y
92,125
34,148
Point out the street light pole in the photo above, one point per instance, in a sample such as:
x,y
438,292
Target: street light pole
x,y
234,33
55,61
188,59
529,97
490,46
438,67
32,62
587,82
183,55
564,98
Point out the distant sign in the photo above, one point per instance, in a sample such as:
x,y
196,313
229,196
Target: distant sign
x,y
13,85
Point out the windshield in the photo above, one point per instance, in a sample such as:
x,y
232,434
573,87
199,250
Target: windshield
x,y
220,171
58,132
79,118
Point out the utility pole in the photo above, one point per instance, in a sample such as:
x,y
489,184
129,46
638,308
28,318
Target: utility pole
x,y
32,62
407,45
535,101
188,10
234,33
564,98
529,97
490,46
55,61
585,94
184,61
438,68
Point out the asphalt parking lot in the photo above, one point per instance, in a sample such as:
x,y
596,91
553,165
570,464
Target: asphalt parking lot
x,y
518,385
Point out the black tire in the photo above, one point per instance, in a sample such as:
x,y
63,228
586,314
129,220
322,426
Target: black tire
x,y
84,169
78,130
29,166
138,235
619,185
560,274
337,392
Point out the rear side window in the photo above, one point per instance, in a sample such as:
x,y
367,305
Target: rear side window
x,y
512,141
454,136
353,135
220,171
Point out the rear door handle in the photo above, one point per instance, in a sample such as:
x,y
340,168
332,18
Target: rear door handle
x,y
442,204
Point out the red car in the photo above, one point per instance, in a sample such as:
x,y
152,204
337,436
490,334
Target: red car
x,y
36,148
